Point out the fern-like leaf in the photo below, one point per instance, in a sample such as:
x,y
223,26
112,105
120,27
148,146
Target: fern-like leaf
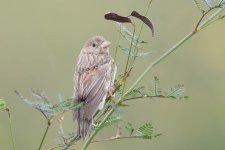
x,y
146,131
134,54
155,89
109,122
127,34
176,91
136,92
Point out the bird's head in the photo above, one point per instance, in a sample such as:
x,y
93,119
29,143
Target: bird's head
x,y
96,45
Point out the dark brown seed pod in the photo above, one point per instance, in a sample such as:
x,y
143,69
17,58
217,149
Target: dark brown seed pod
x,y
117,18
144,19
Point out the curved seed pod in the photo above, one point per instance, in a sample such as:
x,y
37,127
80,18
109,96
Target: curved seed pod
x,y
144,19
117,18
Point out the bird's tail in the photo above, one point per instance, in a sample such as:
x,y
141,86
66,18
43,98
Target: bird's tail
x,y
83,123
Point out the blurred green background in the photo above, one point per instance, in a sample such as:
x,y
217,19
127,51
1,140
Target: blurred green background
x,y
39,44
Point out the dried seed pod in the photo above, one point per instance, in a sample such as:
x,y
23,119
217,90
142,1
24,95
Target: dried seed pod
x,y
144,19
117,18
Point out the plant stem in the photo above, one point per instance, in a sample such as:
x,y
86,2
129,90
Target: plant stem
x,y
152,65
119,137
46,131
139,35
10,128
210,19
117,46
75,138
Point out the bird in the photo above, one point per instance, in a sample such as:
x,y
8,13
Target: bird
x,y
94,77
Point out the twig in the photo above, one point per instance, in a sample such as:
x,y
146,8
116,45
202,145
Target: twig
x,y
145,96
117,138
127,63
139,35
46,131
75,138
10,128
211,19
203,16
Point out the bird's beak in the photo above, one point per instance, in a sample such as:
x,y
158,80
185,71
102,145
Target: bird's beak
x,y
105,44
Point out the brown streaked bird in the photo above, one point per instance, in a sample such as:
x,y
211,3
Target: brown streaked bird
x,y
93,81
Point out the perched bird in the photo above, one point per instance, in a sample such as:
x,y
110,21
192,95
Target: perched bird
x,y
93,81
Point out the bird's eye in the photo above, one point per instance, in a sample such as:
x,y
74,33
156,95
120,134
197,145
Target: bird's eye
x,y
93,45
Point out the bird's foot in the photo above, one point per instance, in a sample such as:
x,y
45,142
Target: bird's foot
x,y
111,92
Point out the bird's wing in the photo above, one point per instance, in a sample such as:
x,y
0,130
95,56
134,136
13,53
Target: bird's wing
x,y
93,85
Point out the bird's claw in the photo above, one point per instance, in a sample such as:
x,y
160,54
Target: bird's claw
x,y
111,92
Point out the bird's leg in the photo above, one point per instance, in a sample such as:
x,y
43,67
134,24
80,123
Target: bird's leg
x,y
111,92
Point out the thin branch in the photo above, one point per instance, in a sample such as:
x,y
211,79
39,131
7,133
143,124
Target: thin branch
x,y
117,46
46,131
75,138
117,138
104,112
145,96
211,19
139,35
203,16
10,128
128,60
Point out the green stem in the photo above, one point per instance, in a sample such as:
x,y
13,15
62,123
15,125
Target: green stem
x,y
117,46
128,60
10,128
157,61
139,35
75,138
46,131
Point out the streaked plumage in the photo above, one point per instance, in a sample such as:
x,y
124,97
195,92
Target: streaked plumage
x,y
93,78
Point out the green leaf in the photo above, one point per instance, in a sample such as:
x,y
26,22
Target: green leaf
x,y
109,122
127,35
136,92
48,109
146,131
2,104
66,105
155,89
134,54
176,91
129,128
41,96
